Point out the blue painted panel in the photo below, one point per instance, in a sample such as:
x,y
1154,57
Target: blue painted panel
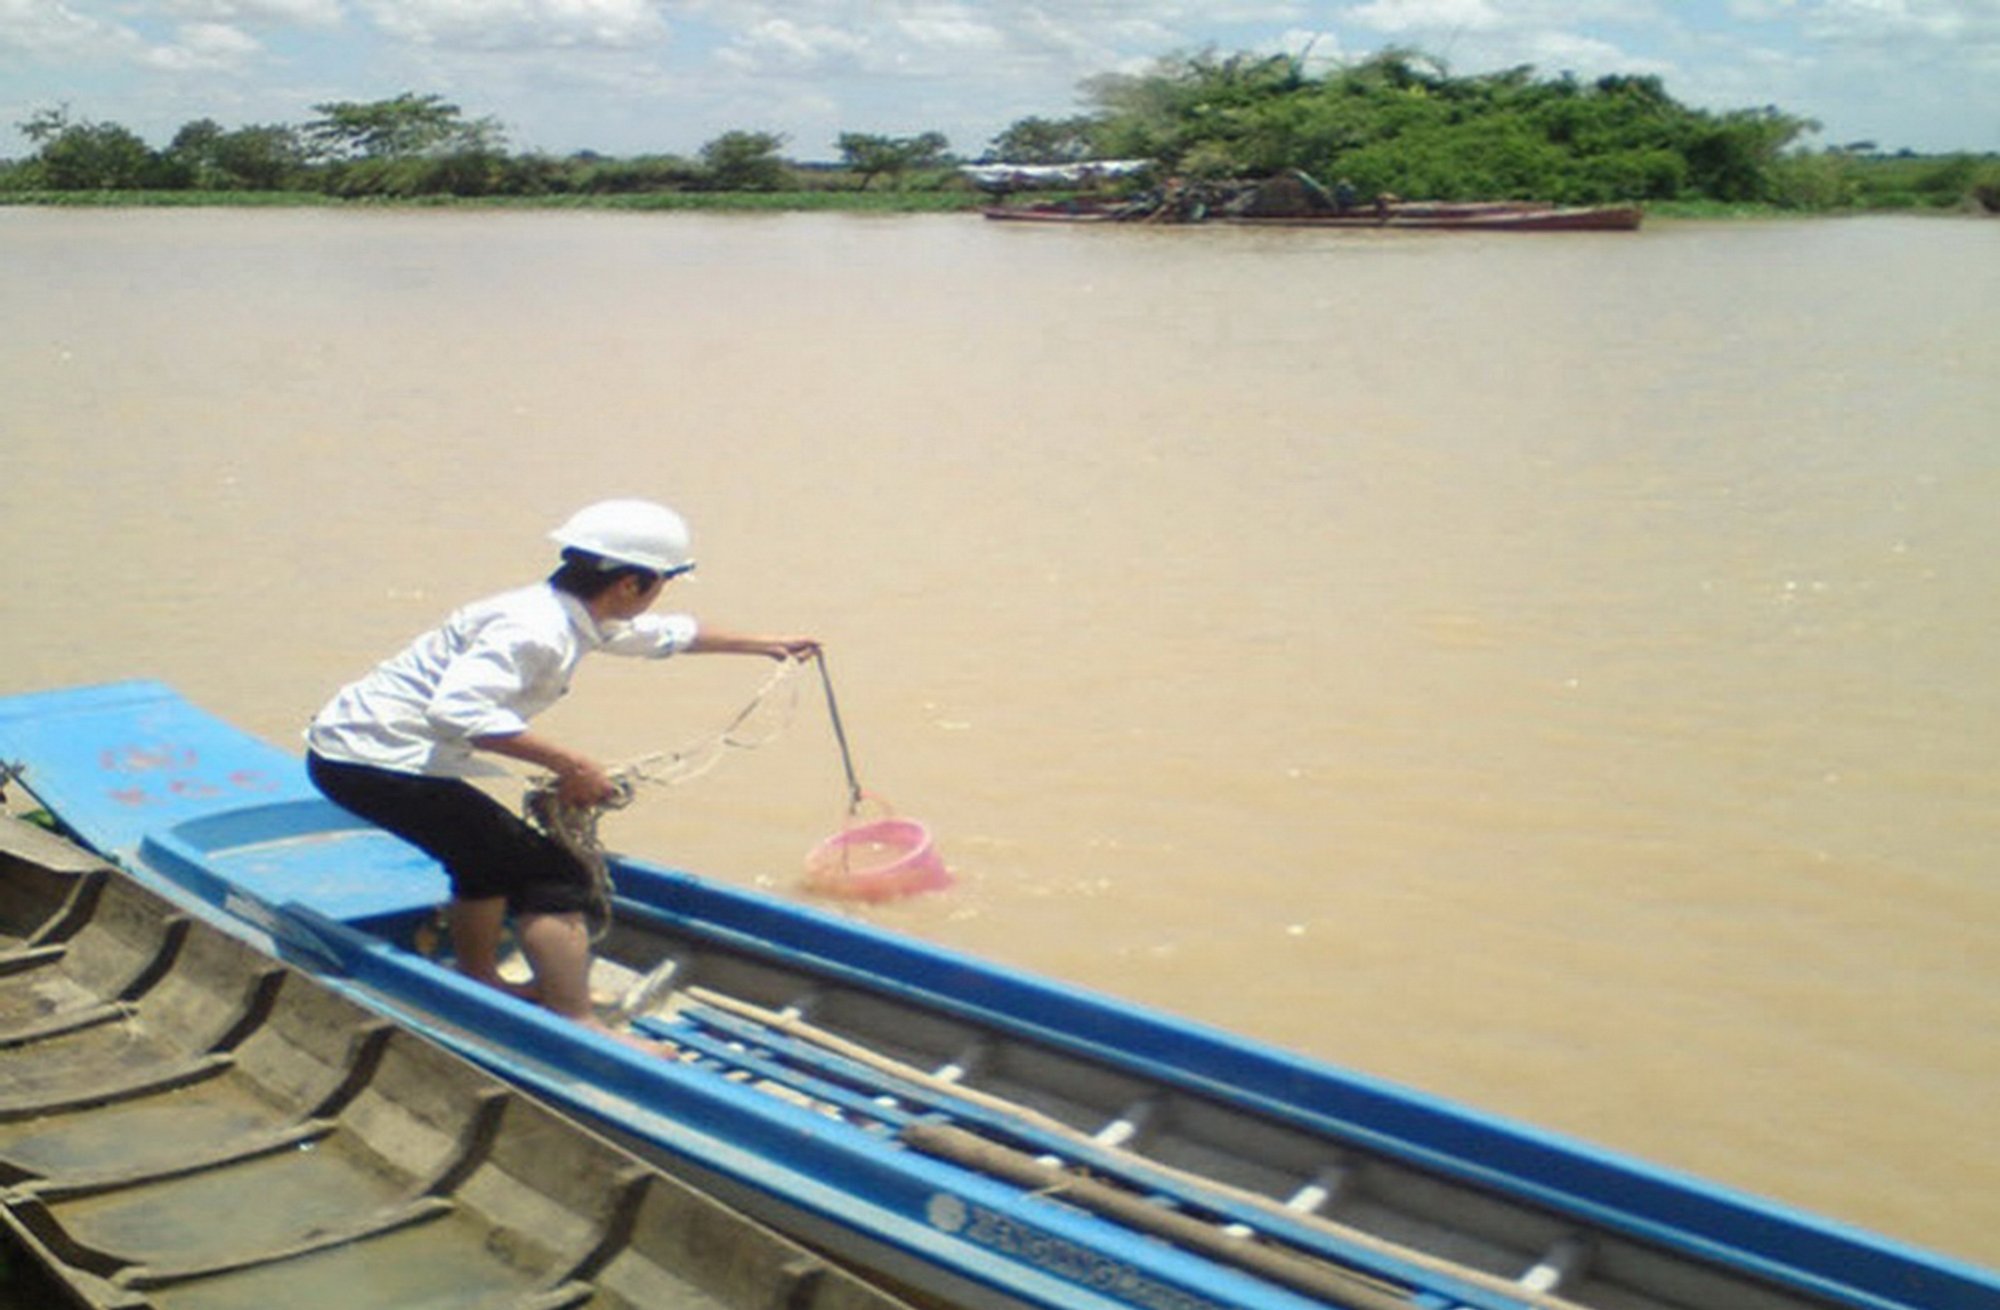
x,y
120,760
314,854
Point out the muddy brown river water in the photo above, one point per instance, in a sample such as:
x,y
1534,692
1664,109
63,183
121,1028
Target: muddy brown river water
x,y
1554,672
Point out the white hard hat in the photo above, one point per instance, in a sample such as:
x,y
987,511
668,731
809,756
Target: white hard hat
x,y
630,532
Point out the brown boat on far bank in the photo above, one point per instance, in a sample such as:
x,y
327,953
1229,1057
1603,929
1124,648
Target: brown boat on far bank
x,y
1471,216
1499,218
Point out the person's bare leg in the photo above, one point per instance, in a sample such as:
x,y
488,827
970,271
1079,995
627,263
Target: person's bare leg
x,y
475,936
558,950
476,930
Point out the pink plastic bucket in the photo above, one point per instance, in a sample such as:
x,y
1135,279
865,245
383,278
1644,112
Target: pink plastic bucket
x,y
876,860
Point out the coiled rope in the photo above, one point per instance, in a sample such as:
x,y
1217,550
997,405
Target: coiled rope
x,y
574,827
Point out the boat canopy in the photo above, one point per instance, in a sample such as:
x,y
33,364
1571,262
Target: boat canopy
x,y
1004,176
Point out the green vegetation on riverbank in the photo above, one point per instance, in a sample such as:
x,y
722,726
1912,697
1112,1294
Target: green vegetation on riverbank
x,y
879,202
1397,122
747,202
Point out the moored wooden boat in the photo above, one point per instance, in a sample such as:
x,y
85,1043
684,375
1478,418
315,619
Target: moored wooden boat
x,y
990,1138
1064,211
186,1123
1468,216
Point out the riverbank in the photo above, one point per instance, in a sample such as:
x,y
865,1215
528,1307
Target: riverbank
x,y
893,202
820,201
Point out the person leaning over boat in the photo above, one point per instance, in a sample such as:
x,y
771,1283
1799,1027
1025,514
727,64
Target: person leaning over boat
x,y
397,746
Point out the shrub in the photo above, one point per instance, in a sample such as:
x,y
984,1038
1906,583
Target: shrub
x,y
1830,180
628,176
1986,186
1628,175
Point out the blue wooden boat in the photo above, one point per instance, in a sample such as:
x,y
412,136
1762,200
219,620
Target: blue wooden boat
x,y
982,1137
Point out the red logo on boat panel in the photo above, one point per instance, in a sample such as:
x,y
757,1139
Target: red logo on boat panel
x,y
147,759
181,760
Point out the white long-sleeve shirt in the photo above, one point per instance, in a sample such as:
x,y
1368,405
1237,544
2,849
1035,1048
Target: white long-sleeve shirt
x,y
491,667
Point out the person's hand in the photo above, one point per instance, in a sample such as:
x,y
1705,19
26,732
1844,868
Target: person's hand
x,y
793,648
583,783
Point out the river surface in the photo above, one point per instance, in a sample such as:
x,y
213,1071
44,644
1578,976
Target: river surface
x,y
1553,672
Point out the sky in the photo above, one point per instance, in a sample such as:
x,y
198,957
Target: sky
x,y
627,77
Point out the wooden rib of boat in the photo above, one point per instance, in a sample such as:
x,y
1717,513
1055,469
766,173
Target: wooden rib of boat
x,y
989,1138
185,1123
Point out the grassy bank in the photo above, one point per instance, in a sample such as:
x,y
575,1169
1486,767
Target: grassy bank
x,y
882,202
1724,211
167,199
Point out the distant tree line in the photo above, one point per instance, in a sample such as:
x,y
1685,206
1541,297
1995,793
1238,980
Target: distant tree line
x,y
403,147
420,145
1398,122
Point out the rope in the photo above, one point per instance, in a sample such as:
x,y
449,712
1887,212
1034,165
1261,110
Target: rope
x,y
672,767
574,827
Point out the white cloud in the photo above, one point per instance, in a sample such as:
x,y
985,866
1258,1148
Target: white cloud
x,y
204,48
1585,56
780,43
1322,50
949,28
928,40
1923,73
1455,17
1589,38
282,13
894,32
1762,11
1398,16
521,24
1898,20
52,30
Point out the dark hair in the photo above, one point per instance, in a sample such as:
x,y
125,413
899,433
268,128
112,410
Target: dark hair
x,y
587,576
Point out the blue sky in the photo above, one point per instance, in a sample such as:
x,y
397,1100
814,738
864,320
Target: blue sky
x,y
636,76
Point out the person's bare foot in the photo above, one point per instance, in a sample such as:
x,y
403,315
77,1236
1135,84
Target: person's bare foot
x,y
628,1037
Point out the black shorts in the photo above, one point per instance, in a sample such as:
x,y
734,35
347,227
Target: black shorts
x,y
487,851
